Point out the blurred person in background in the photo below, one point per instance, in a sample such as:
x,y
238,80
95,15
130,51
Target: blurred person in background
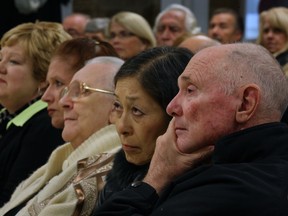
x,y
130,33
173,22
226,26
75,24
273,34
197,42
96,28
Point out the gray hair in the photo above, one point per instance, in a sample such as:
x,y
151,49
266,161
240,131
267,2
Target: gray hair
x,y
251,63
99,24
114,62
190,19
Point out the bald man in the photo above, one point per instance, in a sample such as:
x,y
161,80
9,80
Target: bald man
x,y
197,42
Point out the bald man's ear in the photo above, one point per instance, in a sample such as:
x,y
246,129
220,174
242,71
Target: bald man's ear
x,y
250,96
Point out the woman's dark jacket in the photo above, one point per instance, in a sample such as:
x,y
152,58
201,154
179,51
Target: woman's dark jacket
x,y
25,148
121,175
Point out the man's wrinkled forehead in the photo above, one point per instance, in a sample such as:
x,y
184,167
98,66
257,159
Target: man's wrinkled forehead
x,y
173,14
191,71
203,63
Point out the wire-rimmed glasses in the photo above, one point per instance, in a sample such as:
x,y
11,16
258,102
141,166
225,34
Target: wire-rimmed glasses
x,y
77,89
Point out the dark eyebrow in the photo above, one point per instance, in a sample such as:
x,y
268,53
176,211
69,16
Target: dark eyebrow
x,y
130,98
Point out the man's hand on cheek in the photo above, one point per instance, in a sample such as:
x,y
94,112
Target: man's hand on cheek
x,y
169,162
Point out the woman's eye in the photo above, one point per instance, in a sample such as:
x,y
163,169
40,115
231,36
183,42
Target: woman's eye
x,y
137,112
277,30
58,83
266,30
14,62
117,106
175,29
112,35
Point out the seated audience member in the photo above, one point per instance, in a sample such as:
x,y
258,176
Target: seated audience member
x,y
75,24
273,34
181,38
26,135
228,101
226,26
197,42
130,34
173,22
144,86
70,57
96,28
58,187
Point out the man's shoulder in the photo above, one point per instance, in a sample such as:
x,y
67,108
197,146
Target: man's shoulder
x,y
228,187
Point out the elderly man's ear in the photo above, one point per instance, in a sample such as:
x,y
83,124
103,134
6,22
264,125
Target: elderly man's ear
x,y
250,96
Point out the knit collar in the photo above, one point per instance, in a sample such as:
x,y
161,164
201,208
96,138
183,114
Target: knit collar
x,y
27,112
103,140
6,116
252,144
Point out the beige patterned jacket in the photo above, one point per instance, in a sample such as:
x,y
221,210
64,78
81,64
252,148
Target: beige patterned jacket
x,y
68,184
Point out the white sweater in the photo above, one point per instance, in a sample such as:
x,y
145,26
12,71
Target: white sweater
x,y
55,177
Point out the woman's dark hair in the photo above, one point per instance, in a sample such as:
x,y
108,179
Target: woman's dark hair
x,y
80,50
157,70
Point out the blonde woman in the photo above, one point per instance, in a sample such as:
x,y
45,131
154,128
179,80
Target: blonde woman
x,y
130,34
26,135
273,34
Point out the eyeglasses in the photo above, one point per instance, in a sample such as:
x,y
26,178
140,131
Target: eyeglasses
x,y
121,35
73,32
174,29
77,89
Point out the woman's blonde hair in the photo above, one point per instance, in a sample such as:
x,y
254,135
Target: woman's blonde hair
x,y
278,18
137,25
39,40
